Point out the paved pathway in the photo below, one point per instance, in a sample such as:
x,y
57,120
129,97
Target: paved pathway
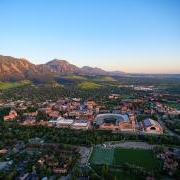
x,y
85,153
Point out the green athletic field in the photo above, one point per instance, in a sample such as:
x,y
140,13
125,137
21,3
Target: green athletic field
x,y
119,156
102,156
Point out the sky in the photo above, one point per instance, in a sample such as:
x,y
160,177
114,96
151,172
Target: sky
x,y
141,36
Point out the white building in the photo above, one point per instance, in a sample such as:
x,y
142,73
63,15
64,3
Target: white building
x,y
62,122
80,124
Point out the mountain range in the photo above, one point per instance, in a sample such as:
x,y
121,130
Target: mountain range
x,y
12,68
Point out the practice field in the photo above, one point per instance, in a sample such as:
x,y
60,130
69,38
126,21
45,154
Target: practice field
x,y
102,156
119,156
138,157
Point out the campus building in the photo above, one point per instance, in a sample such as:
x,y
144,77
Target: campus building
x,y
116,122
80,124
151,126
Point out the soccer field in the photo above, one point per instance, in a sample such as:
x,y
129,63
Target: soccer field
x,y
138,157
102,156
119,156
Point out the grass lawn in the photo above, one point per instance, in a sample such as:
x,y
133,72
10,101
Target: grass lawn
x,y
105,78
75,77
120,156
89,85
138,157
125,176
102,156
7,85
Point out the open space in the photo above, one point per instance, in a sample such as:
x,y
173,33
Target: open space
x,y
137,157
89,85
119,156
7,85
102,156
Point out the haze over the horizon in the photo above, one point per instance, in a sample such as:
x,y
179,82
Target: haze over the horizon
x,y
141,36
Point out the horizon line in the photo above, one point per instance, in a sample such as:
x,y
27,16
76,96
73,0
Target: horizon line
x,y
103,68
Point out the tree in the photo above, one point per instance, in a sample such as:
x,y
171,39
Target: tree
x,y
41,116
105,170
